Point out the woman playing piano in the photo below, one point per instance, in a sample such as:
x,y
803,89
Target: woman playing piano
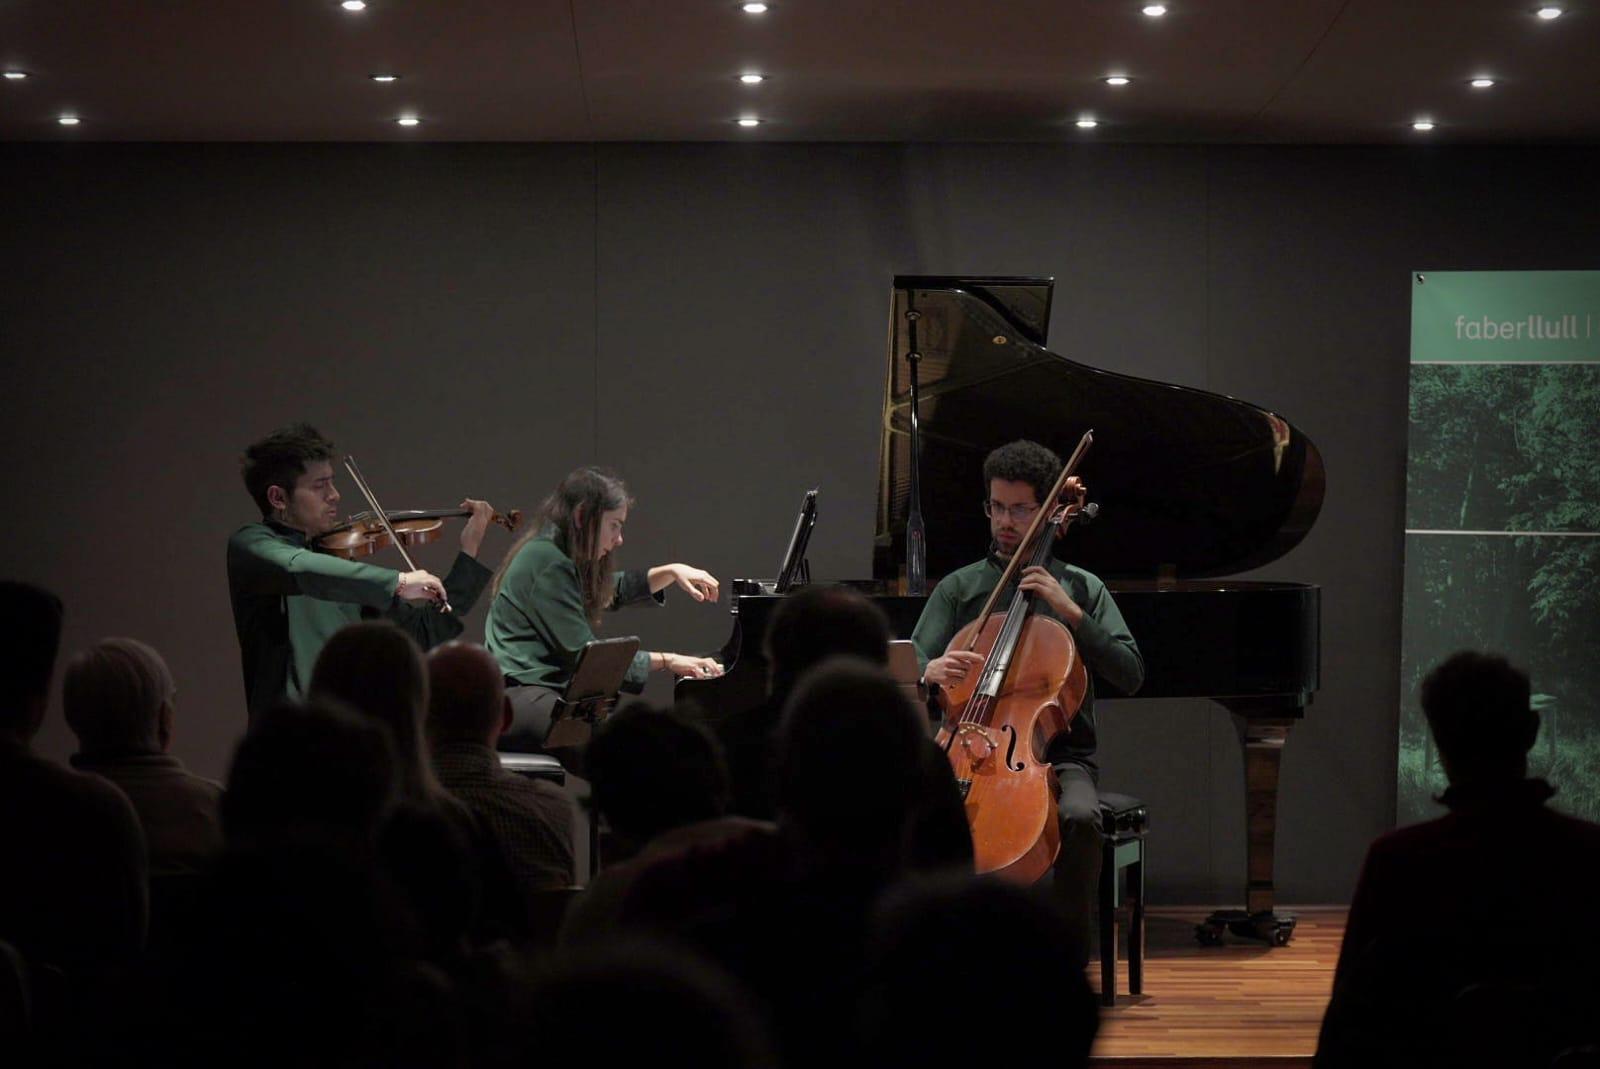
x,y
556,581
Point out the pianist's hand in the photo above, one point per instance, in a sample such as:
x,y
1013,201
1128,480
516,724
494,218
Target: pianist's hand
x,y
701,585
953,667
680,664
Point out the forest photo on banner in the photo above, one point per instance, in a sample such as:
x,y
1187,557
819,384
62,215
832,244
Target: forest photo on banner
x,y
1503,511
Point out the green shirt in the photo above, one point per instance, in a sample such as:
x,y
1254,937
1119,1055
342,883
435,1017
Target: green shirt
x,y
288,600
1108,650
537,623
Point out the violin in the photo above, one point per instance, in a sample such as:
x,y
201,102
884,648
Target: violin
x,y
363,535
370,531
999,722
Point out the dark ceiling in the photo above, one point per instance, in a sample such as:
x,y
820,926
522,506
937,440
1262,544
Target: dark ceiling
x,y
838,70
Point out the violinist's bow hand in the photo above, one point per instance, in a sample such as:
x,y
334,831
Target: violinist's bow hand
x,y
421,586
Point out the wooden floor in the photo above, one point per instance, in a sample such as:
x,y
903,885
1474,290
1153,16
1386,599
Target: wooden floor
x,y
1241,1004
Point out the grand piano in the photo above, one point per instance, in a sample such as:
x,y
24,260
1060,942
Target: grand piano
x,y
1192,487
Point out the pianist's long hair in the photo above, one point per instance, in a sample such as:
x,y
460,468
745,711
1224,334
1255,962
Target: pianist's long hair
x,y
574,512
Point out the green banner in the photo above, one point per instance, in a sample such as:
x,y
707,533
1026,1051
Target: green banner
x,y
1503,510
1505,316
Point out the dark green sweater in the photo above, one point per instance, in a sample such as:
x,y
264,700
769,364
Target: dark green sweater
x,y
1108,650
537,625
289,599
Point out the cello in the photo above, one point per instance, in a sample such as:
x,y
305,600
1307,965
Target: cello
x,y
999,722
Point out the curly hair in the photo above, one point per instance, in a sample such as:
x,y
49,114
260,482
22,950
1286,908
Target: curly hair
x,y
1023,462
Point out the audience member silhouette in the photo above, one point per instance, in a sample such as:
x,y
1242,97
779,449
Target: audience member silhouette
x,y
302,952
525,825
810,626
850,768
430,843
660,784
652,770
632,1002
817,622
922,956
119,700
73,889
1460,926
318,775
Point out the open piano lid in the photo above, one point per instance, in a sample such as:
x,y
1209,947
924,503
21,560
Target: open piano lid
x,y
1190,483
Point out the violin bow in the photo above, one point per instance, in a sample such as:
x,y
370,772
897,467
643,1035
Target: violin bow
x,y
383,518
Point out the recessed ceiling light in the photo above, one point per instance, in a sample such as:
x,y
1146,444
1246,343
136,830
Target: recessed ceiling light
x,y
1087,123
1549,11
752,79
1155,11
754,9
748,121
16,76
409,120
1481,83
68,120
384,77
353,5
1116,79
1423,125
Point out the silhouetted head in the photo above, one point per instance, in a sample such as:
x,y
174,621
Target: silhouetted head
x,y
652,770
820,622
466,695
309,773
27,657
377,670
626,1003
118,697
1478,709
850,764
923,950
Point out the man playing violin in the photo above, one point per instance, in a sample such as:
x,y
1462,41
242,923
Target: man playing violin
x,y
288,599
1018,476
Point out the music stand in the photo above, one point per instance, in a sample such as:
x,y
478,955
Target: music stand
x,y
591,694
794,568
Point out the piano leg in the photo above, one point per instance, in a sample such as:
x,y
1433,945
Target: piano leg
x,y
1262,733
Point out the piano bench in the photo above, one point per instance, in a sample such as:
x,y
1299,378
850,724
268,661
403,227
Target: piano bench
x,y
534,766
1124,820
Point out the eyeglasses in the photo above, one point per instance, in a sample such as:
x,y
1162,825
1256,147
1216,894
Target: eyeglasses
x,y
1019,513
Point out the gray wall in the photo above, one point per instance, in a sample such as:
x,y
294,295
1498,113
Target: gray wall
x,y
711,320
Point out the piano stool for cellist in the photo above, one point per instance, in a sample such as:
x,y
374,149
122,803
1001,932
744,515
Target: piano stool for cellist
x,y
1124,822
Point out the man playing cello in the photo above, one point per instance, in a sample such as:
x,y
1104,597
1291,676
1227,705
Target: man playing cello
x,y
1018,476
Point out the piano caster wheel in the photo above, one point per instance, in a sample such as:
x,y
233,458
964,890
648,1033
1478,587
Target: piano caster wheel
x,y
1266,927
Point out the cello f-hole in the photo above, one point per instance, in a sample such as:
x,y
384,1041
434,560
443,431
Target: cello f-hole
x,y
1011,749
